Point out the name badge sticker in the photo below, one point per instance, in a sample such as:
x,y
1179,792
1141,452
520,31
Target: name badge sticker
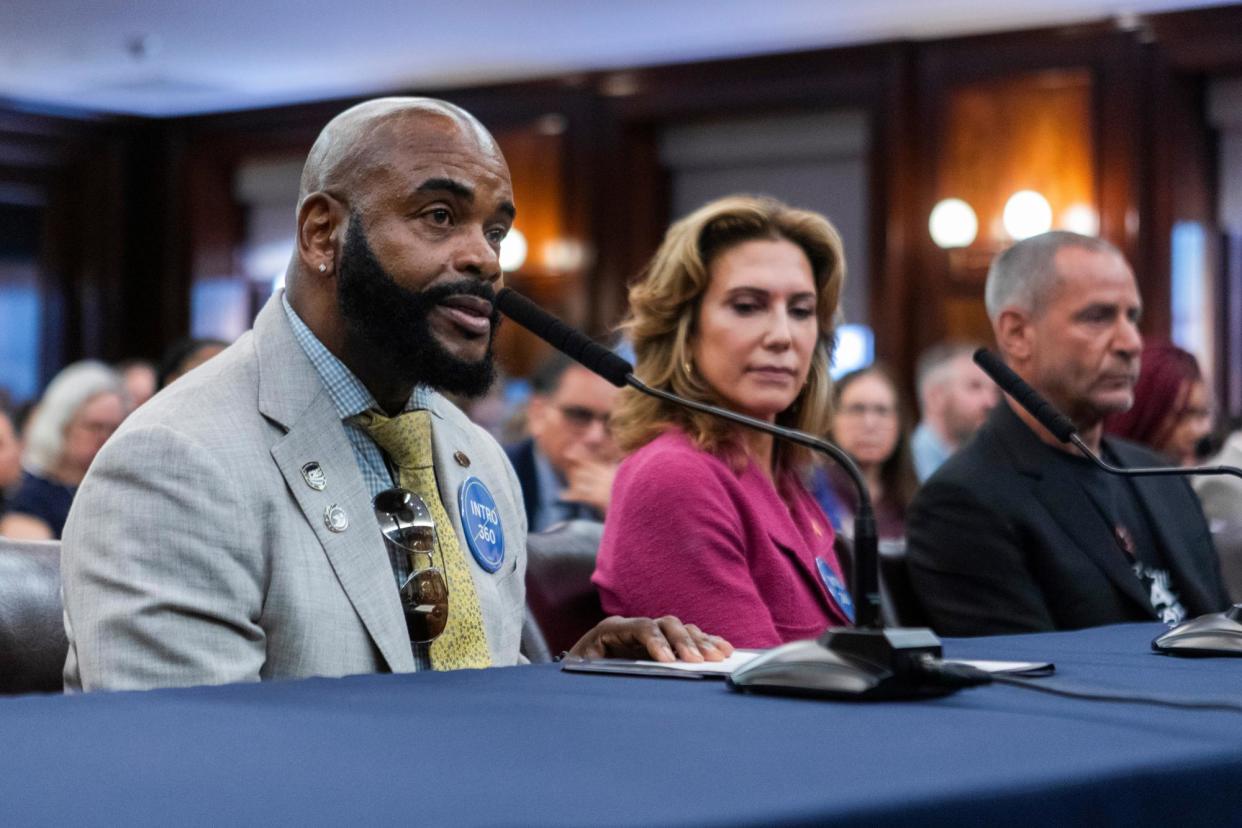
x,y
481,521
840,595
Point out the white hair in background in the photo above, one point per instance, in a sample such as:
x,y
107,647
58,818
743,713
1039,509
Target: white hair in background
x,y
1024,274
65,395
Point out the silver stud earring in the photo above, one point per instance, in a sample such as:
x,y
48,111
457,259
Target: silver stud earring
x,y
323,268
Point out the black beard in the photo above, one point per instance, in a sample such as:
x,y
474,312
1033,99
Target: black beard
x,y
386,324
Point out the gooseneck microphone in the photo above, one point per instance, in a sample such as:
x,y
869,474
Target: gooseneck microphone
x,y
867,661
1064,429
569,341
1218,633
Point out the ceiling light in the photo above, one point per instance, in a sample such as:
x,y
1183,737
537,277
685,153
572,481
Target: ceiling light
x,y
144,46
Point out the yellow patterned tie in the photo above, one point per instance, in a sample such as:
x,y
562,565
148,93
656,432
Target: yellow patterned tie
x,y
407,440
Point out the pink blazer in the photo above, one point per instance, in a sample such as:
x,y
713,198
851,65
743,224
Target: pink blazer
x,y
688,536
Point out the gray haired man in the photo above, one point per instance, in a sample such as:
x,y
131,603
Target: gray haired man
x,y
1015,532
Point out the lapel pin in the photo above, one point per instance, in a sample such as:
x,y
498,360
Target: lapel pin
x,y
335,519
461,458
313,474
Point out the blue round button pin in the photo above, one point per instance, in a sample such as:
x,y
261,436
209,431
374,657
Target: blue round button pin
x,y
481,521
840,595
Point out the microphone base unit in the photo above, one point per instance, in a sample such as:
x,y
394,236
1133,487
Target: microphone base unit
x,y
1214,634
862,664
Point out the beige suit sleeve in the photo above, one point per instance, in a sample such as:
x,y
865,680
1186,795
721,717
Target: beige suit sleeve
x,y
163,569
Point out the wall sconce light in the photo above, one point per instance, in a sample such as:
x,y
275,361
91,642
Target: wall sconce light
x,y
512,251
553,123
1082,219
953,223
564,255
1026,214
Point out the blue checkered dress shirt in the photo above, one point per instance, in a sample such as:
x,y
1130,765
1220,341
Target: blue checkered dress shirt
x,y
351,398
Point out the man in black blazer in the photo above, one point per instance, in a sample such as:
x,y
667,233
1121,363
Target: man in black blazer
x,y
1016,532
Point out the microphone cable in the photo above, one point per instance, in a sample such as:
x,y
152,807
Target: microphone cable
x,y
951,674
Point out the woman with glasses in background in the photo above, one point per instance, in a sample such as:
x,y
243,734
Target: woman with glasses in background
x,y
710,521
869,423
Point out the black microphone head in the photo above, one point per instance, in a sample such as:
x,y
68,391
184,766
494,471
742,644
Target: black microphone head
x,y
573,343
1057,423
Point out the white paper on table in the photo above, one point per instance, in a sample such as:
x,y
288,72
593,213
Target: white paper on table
x,y
723,668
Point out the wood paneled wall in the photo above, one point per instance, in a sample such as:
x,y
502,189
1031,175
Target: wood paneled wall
x,y
65,168
136,208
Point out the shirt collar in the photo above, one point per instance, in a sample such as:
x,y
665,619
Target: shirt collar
x,y
347,392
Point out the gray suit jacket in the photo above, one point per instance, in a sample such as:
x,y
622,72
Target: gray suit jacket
x,y
196,552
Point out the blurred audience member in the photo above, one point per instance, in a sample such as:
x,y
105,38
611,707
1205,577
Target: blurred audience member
x,y
184,355
490,410
517,395
567,464
502,410
22,415
1171,412
81,408
955,397
710,521
869,423
1221,494
139,378
10,456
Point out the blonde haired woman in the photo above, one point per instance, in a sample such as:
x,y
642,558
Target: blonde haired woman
x,y
709,521
81,408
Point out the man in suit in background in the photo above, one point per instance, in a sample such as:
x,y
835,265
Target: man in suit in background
x,y
567,465
955,397
227,532
1017,532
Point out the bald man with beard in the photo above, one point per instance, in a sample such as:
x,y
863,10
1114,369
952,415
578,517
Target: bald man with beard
x,y
227,532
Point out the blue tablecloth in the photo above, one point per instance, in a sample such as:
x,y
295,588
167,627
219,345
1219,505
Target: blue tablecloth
x,y
535,746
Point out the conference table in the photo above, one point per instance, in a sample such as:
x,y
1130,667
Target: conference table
x,y
534,745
